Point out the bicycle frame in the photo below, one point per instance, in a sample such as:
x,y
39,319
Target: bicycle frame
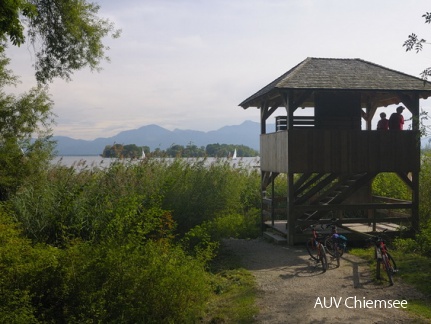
x,y
316,249
332,243
383,257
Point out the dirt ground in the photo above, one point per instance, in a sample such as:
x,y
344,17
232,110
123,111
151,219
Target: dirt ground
x,y
291,289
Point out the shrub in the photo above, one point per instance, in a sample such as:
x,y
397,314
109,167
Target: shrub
x,y
26,275
150,283
143,277
205,237
197,192
390,185
103,241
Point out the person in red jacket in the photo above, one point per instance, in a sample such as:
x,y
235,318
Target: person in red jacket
x,y
383,123
396,121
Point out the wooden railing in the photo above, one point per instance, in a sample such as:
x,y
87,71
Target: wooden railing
x,y
298,121
345,151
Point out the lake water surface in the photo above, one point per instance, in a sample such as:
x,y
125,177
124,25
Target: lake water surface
x,y
101,162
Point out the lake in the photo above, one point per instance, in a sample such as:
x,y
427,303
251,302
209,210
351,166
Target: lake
x,y
81,162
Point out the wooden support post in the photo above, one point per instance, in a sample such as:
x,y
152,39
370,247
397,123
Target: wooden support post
x,y
291,217
272,201
291,221
263,117
262,207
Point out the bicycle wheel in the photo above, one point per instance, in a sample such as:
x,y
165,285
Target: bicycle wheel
x,y
390,267
337,254
392,262
330,247
312,249
322,257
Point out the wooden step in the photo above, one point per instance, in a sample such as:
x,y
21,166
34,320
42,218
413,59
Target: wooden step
x,y
274,238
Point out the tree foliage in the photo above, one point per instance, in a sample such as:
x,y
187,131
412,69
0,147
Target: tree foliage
x,y
190,151
129,151
22,118
10,23
414,42
211,150
226,150
66,34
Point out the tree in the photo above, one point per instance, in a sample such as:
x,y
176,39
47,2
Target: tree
x,y
21,119
175,150
416,43
66,34
128,151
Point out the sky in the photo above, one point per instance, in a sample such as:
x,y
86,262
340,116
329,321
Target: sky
x,y
187,64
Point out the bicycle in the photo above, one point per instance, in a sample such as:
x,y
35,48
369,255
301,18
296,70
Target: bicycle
x,y
316,249
383,259
335,243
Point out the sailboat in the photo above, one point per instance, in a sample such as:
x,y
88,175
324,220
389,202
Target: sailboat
x,y
234,155
143,154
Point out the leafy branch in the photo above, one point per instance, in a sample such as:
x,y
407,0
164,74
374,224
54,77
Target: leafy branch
x,y
413,42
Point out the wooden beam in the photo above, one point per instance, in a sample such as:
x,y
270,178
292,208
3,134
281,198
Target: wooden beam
x,y
310,182
298,183
407,101
306,94
349,207
267,178
270,111
317,187
406,179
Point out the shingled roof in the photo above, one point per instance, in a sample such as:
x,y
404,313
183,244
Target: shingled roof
x,y
341,74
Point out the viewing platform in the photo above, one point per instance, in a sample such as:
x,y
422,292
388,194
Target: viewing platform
x,y
331,157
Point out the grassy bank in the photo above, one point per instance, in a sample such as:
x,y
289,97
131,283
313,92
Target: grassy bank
x,y
138,241
413,270
234,292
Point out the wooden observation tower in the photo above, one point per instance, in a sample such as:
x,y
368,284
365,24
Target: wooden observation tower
x,y
331,156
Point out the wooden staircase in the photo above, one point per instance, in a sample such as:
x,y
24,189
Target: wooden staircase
x,y
326,189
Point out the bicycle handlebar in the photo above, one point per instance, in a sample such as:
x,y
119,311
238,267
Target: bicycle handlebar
x,y
333,222
375,239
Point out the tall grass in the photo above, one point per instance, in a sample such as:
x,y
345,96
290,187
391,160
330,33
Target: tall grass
x,y
68,204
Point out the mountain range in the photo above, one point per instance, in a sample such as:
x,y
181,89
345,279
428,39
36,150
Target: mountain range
x,y
155,136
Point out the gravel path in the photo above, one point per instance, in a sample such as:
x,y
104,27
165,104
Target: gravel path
x,y
292,290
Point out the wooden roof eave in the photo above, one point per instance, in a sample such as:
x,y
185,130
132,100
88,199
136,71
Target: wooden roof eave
x,y
379,97
269,99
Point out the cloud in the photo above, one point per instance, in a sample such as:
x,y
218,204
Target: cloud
x,y
188,64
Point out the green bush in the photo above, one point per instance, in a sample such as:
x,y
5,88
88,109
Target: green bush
x,y
151,283
103,245
143,277
390,185
425,189
197,192
26,275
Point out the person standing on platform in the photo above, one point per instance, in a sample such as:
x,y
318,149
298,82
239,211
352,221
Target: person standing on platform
x,y
383,123
396,121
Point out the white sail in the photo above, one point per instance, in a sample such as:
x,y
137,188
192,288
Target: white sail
x,y
234,155
143,154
